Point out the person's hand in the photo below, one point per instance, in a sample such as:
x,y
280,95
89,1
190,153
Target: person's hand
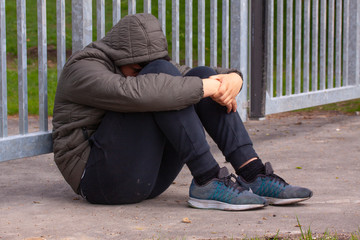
x,y
228,90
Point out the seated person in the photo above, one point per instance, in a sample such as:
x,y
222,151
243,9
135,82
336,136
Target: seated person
x,y
126,120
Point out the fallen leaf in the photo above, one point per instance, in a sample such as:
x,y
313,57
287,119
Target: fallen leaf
x,y
186,220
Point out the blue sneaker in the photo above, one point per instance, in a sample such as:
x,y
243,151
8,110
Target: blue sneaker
x,y
275,189
224,194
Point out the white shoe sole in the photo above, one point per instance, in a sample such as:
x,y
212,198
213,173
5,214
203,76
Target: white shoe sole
x,y
279,201
213,204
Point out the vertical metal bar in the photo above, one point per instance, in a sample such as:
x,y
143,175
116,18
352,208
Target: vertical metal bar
x,y
279,48
42,53
306,68
60,36
243,56
162,14
297,46
289,39
354,43
322,61
257,89
346,26
270,48
338,43
116,11
225,34
314,45
3,81
188,33
100,18
175,31
81,24
213,33
330,50
201,32
131,7
22,66
147,6
239,48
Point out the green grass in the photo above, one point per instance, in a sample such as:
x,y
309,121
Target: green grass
x,y
346,107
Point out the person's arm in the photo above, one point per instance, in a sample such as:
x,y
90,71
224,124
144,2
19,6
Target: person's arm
x,y
90,82
232,78
210,86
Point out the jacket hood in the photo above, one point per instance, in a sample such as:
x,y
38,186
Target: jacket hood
x,y
134,39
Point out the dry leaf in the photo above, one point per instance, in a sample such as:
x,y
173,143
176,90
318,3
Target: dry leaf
x,y
186,220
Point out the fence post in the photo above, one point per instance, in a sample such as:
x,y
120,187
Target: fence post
x,y
60,35
257,81
22,66
3,81
239,48
81,24
354,43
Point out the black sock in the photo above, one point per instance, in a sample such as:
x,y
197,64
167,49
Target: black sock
x,y
251,170
207,176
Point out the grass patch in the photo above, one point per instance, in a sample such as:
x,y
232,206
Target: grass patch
x,y
346,107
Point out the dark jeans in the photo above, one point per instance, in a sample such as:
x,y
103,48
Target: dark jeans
x,y
136,156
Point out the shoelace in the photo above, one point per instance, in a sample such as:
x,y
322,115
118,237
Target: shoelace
x,y
231,184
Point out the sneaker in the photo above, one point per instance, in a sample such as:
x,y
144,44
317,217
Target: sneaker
x,y
224,194
275,189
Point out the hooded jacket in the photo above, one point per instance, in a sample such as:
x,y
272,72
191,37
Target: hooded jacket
x,y
91,84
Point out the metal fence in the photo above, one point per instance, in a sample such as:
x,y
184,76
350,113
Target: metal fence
x,y
313,53
234,36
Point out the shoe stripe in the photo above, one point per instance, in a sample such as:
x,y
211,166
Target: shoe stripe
x,y
260,190
274,189
219,191
228,196
214,196
270,188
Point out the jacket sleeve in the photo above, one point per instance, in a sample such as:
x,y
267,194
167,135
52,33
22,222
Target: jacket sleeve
x,y
91,82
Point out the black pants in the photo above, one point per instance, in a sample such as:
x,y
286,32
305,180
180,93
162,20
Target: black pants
x,y
136,156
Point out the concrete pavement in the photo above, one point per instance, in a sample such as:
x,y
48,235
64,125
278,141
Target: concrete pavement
x,y
319,151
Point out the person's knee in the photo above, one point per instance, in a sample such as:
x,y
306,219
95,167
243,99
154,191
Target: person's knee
x,y
160,66
202,72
